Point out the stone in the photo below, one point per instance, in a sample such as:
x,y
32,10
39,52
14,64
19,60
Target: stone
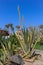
x,y
16,60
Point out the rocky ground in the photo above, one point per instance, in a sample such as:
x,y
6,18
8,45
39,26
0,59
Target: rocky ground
x,y
36,62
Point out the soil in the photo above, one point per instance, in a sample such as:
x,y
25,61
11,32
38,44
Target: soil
x,y
38,61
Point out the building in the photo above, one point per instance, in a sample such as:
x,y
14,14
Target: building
x,y
4,32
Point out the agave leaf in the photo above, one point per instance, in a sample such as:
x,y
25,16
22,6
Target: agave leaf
x,y
1,63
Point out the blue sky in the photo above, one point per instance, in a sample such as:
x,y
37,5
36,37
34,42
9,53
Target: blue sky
x,y
32,10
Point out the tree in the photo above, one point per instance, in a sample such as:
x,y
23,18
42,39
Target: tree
x,y
10,27
41,29
41,34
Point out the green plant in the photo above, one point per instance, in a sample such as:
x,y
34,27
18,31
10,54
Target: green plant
x,y
9,48
28,39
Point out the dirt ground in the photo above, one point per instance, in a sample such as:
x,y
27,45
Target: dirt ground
x,y
36,62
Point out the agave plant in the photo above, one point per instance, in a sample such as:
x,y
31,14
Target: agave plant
x,y
9,48
28,39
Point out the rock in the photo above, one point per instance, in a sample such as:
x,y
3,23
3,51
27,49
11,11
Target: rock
x,y
13,63
16,60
